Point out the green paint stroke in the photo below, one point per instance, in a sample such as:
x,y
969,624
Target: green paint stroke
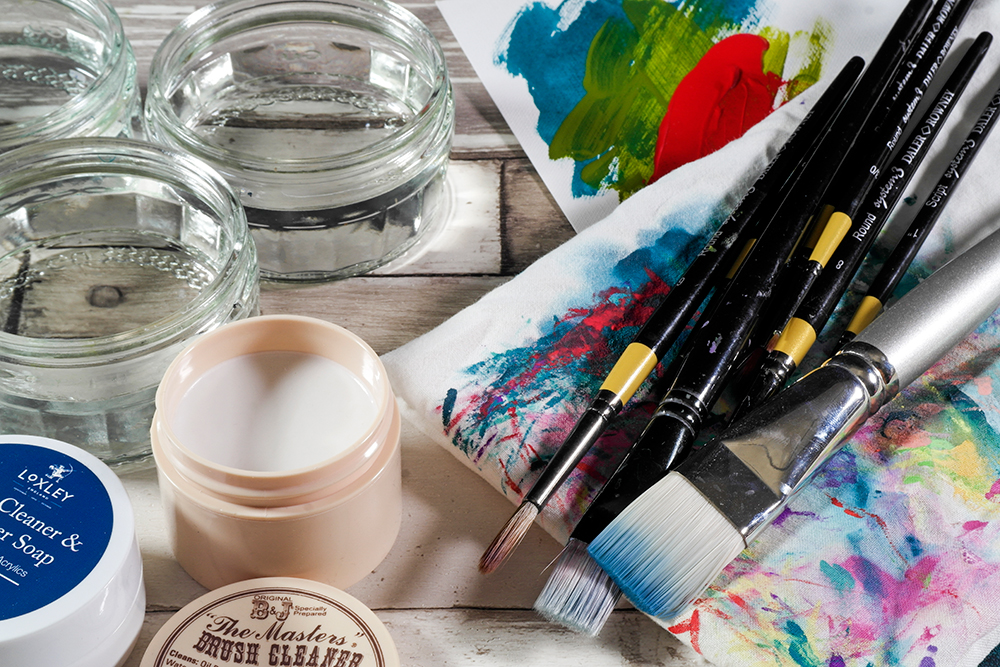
x,y
799,649
840,578
633,67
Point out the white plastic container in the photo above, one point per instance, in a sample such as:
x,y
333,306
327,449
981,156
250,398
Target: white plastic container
x,y
276,440
71,588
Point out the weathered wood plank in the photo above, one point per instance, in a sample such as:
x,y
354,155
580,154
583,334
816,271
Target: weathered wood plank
x,y
492,638
533,223
386,311
467,238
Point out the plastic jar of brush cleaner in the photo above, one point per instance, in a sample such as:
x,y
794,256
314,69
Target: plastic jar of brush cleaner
x,y
113,255
332,118
66,69
70,568
236,624
276,440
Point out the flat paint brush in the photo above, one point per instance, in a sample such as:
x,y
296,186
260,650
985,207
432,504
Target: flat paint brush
x,y
671,543
803,328
578,594
674,313
895,266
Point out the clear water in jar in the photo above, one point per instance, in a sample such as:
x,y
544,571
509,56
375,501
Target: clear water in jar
x,y
315,98
81,286
41,69
326,92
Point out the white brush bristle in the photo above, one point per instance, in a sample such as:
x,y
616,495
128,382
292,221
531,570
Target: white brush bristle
x,y
667,547
579,594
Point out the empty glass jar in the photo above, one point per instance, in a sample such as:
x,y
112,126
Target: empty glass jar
x,y
113,255
66,69
333,120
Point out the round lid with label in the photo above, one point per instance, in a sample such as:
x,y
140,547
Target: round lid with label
x,y
273,621
70,566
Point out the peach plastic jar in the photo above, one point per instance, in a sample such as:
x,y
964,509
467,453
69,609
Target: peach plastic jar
x,y
312,487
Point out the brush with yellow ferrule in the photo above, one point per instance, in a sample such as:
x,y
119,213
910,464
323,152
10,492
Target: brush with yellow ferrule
x,y
802,330
855,177
895,266
578,595
712,266
668,546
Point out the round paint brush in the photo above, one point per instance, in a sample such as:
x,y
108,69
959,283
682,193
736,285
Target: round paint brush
x,y
671,543
802,330
714,263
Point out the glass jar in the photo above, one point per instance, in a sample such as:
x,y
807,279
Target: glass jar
x,y
333,120
114,254
66,69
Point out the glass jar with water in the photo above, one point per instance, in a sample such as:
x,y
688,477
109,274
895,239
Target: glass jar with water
x,y
333,119
114,254
66,69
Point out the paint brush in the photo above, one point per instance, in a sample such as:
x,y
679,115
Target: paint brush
x,y
895,266
671,543
671,317
864,159
802,329
579,594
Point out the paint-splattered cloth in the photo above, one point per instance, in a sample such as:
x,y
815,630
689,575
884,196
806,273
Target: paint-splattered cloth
x,y
890,557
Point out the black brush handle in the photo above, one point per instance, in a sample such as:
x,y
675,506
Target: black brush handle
x,y
899,260
863,162
871,152
816,308
679,306
673,314
832,283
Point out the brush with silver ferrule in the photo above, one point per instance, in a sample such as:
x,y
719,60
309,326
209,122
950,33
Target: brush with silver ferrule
x,y
719,258
668,546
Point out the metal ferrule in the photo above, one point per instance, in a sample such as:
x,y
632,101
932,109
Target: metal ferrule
x,y
684,406
751,471
588,429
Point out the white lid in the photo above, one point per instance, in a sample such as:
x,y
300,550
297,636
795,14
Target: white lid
x,y
70,570
273,621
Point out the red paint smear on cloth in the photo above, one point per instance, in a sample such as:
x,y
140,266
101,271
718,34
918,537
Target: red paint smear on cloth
x,y
722,97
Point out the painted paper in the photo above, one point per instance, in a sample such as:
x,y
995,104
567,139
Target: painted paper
x,y
607,96
892,555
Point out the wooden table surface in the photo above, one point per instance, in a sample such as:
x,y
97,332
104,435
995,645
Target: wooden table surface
x,y
436,605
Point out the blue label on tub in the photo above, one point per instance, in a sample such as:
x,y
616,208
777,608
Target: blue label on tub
x,y
55,524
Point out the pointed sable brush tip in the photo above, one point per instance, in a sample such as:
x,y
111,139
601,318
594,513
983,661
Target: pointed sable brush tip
x,y
579,595
508,538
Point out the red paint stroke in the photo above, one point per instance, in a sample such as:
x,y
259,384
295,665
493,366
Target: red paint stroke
x,y
739,602
993,492
691,626
970,526
722,97
861,514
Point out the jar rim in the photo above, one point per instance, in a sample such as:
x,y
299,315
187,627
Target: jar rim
x,y
105,89
44,161
196,31
255,334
